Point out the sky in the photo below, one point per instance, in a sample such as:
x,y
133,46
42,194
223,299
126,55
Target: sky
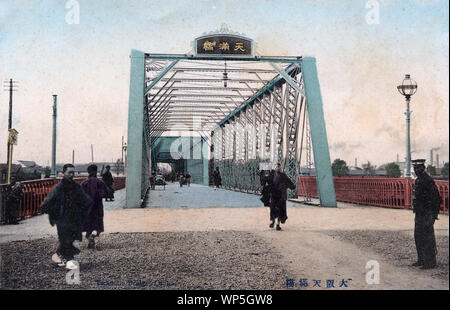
x,y
363,50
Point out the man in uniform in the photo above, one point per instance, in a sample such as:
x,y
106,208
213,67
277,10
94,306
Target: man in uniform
x,y
426,203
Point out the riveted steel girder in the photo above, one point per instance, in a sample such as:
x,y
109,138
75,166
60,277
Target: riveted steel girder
x,y
251,124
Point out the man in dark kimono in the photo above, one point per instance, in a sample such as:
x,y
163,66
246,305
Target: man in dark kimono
x,y
182,180
266,187
14,196
96,190
188,179
278,182
426,204
152,180
217,178
109,180
67,205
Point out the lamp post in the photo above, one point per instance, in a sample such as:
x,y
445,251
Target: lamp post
x,y
407,89
124,150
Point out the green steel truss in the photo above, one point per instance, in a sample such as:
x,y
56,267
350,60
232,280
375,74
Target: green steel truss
x,y
254,119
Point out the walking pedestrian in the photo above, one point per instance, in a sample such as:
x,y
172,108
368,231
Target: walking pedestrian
x,y
96,190
182,180
217,178
108,179
152,180
426,204
67,206
14,196
188,179
266,187
278,183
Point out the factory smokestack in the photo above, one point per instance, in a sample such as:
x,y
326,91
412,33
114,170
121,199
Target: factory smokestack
x,y
431,154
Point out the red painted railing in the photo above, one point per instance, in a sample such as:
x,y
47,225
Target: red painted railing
x,y
35,192
443,191
119,183
383,192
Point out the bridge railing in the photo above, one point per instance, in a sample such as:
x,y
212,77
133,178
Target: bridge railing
x,y
35,192
383,192
119,183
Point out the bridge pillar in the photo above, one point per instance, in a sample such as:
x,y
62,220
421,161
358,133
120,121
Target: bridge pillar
x,y
322,162
135,130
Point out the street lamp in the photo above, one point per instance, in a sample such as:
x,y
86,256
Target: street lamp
x,y
407,89
124,149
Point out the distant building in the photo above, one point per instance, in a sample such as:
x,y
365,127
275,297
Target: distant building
x,y
381,171
307,171
27,163
355,171
402,166
31,168
15,170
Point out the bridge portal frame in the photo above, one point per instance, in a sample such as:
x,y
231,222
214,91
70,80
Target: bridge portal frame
x,y
138,144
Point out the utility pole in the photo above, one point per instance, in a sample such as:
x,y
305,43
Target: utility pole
x,y
55,103
10,103
9,86
73,157
92,153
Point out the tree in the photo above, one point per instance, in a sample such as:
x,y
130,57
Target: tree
x,y
47,172
431,170
339,168
444,170
393,170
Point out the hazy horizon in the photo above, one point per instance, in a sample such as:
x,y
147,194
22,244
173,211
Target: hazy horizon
x,y
359,66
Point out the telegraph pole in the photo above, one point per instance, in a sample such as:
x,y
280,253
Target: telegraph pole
x,y
10,103
9,86
55,102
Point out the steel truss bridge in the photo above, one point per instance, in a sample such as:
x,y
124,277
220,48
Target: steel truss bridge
x,y
247,110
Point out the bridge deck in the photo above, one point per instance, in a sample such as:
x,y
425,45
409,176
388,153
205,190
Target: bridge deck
x,y
200,196
315,243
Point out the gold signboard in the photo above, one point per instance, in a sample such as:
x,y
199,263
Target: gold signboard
x,y
222,44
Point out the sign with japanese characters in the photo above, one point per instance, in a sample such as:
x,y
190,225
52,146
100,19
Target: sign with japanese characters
x,y
224,45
